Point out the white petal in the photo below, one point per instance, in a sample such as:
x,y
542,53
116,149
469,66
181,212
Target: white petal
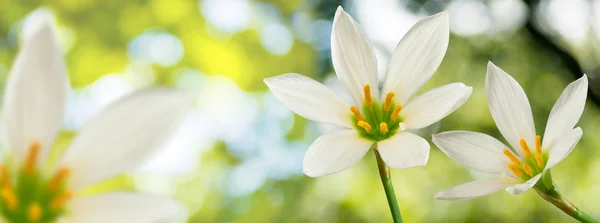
x,y
509,107
334,152
434,105
311,99
36,93
566,112
563,146
404,150
475,150
520,188
417,56
476,188
124,207
125,134
353,56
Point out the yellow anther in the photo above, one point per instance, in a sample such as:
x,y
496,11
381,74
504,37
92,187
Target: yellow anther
x,y
356,113
512,157
515,170
34,212
527,169
5,175
364,125
539,160
58,178
34,150
60,200
8,195
538,144
367,91
388,101
383,127
396,112
526,150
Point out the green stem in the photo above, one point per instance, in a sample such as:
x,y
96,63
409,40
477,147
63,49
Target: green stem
x,y
388,187
552,195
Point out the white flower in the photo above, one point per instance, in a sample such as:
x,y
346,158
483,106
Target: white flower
x,y
115,141
375,119
522,166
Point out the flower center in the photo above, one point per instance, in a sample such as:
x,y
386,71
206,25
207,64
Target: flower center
x,y
530,166
29,197
377,121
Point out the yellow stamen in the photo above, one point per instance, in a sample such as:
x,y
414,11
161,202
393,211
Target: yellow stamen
x,y
539,160
515,170
383,127
512,157
59,201
388,101
367,91
364,125
526,150
34,213
396,112
9,197
538,144
356,113
34,150
5,175
58,177
527,169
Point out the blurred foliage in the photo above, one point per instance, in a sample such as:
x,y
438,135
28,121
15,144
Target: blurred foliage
x,y
96,36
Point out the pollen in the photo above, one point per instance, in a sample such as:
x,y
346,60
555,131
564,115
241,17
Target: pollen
x,y
356,113
8,195
34,212
34,150
368,98
539,160
5,175
512,157
396,112
60,200
538,152
365,125
538,144
526,150
527,169
58,178
383,127
515,170
388,101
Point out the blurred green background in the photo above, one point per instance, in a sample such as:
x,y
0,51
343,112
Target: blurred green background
x,y
237,157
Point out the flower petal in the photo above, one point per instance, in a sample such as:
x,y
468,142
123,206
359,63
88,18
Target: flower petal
x,y
520,188
475,150
124,135
509,107
434,105
404,150
311,99
563,146
353,56
125,207
566,112
417,56
334,152
36,93
476,188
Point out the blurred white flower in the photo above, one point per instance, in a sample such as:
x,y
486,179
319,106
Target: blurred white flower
x,y
113,142
512,113
374,122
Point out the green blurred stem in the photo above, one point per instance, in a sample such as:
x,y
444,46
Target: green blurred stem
x,y
552,194
388,187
